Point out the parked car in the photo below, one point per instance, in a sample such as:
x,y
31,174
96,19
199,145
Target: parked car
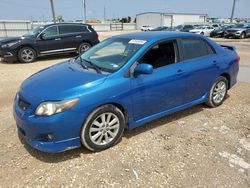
x,y
161,28
123,82
203,30
220,31
47,40
146,28
239,31
184,28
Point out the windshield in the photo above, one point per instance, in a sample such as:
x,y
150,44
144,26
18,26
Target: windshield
x,y
179,27
34,32
239,25
111,54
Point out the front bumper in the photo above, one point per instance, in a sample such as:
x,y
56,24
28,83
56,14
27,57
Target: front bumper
x,y
8,54
64,127
233,35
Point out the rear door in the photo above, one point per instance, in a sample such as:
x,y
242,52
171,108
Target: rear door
x,y
72,35
200,62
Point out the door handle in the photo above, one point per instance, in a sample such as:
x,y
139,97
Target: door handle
x,y
58,39
179,72
78,36
215,62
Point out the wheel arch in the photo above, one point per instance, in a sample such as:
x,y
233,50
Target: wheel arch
x,y
118,105
227,76
27,45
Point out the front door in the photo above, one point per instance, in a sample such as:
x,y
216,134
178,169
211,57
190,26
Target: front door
x,y
50,42
162,90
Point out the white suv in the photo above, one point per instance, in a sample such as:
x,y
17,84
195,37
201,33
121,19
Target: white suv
x,y
146,28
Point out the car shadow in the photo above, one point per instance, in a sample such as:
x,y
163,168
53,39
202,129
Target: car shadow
x,y
76,153
164,120
45,58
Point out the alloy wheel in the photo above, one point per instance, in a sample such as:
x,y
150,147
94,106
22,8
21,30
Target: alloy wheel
x,y
104,129
27,55
219,92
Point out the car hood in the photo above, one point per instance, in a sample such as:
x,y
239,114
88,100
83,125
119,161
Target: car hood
x,y
58,82
236,29
10,39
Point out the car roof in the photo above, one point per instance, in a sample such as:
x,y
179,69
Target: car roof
x,y
47,25
156,35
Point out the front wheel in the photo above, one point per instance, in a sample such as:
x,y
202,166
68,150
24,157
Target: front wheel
x,y
103,128
26,55
243,35
218,92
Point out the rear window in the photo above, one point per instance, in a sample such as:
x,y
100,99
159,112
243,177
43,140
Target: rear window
x,y
194,48
66,29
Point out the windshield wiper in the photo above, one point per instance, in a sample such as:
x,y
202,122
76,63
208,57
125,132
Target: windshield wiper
x,y
83,65
97,69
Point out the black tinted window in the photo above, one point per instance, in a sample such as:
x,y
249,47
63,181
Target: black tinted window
x,y
194,48
64,29
160,55
51,31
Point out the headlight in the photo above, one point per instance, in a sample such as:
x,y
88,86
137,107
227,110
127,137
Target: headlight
x,y
50,108
10,44
238,32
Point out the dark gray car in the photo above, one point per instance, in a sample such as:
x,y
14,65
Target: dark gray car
x,y
239,31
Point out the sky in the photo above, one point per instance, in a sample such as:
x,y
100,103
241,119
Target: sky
x,y
73,9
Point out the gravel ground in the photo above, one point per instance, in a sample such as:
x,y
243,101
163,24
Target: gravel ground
x,y
197,147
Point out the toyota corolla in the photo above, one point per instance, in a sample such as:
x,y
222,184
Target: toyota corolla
x,y
123,82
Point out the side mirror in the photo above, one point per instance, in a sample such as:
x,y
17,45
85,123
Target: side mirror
x,y
42,36
143,69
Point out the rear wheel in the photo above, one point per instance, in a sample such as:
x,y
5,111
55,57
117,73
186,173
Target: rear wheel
x,y
83,47
103,128
218,92
26,55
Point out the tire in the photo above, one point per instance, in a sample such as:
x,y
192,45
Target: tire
x,y
83,47
243,35
27,55
97,134
202,33
221,85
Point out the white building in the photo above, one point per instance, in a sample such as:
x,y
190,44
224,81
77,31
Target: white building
x,y
156,19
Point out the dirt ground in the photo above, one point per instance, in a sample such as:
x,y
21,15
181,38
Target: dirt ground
x,y
197,147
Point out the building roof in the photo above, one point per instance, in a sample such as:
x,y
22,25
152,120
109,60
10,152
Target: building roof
x,y
171,13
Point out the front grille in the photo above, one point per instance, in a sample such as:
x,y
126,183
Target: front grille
x,y
23,104
231,31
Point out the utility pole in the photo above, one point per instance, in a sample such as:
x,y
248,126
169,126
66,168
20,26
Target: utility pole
x,y
84,10
232,14
104,15
53,10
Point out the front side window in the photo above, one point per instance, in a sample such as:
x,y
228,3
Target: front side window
x,y
51,31
111,54
194,48
161,55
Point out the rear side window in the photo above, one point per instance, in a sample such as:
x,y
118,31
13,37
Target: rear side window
x,y
194,48
66,29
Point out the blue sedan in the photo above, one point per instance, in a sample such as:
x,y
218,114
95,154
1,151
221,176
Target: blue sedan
x,y
123,82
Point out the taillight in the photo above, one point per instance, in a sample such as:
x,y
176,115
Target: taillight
x,y
97,36
238,58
